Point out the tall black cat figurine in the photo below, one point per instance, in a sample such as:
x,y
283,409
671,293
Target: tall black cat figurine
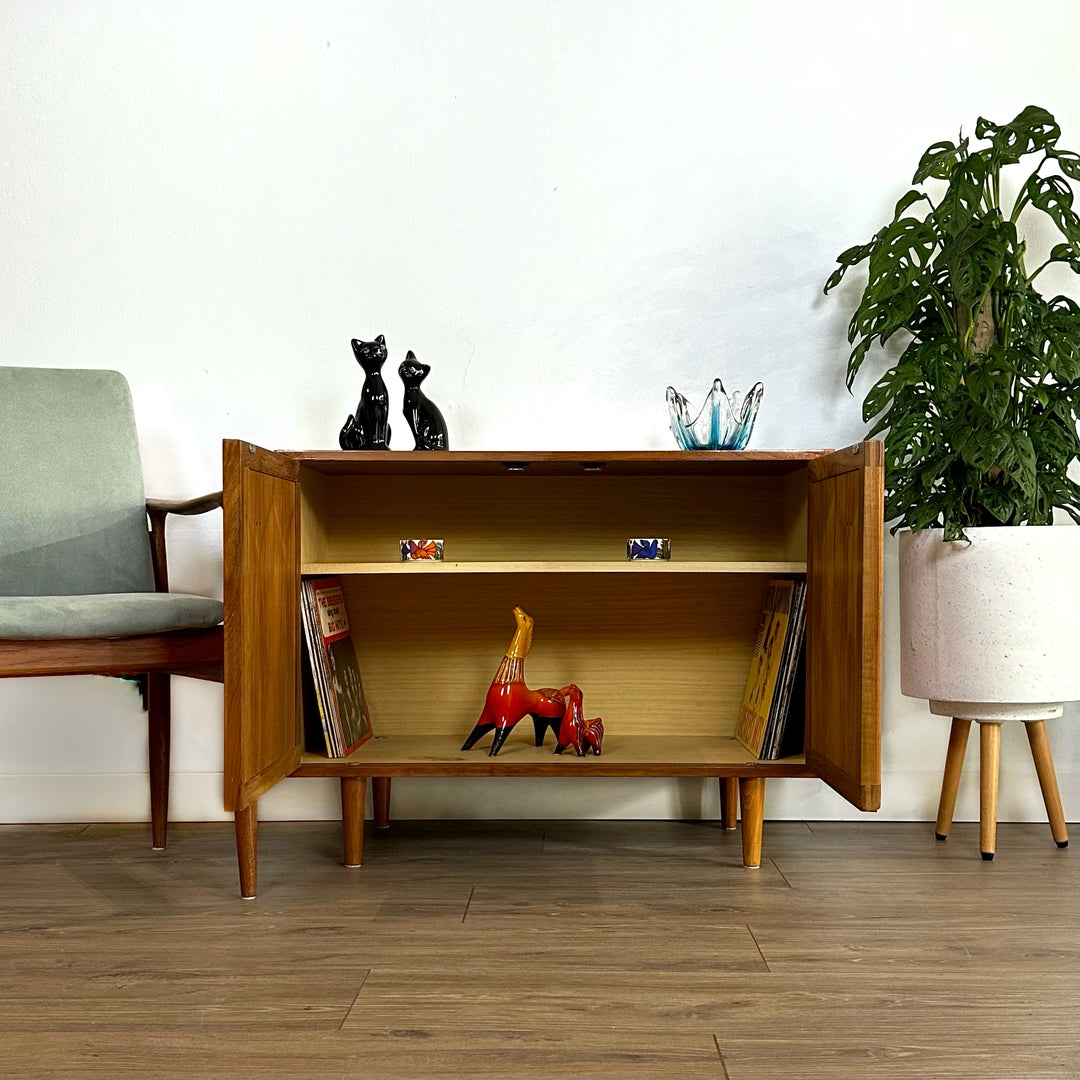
x,y
427,423
369,428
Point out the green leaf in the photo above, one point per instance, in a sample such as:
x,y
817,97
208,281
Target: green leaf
x,y
1066,253
990,388
922,516
881,318
888,386
1068,161
1018,461
1056,443
858,354
881,425
902,251
1029,365
906,241
892,294
963,200
1008,450
1062,492
835,278
928,321
975,260
1061,327
999,502
938,161
1032,129
848,259
907,201
1053,196
944,366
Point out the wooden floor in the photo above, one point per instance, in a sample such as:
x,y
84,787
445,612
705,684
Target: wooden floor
x,y
539,949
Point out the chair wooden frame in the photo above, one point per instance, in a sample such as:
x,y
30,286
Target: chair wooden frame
x,y
198,654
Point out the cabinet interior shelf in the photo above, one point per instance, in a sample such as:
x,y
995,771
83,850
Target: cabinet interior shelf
x,y
727,566
624,755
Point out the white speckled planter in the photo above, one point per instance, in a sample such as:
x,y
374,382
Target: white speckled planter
x,y
990,630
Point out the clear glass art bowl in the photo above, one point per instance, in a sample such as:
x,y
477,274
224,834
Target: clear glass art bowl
x,y
724,423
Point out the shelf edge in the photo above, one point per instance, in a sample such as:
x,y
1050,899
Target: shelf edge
x,y
727,566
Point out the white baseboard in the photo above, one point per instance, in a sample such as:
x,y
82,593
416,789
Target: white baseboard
x,y
198,797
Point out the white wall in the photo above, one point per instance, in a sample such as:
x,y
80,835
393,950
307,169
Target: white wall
x,y
562,208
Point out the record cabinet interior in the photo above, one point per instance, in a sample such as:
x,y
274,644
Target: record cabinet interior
x,y
660,649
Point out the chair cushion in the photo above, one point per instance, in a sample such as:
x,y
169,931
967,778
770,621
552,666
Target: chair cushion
x,y
105,615
73,514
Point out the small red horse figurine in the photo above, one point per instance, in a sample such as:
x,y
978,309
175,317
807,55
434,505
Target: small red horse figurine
x,y
509,699
583,735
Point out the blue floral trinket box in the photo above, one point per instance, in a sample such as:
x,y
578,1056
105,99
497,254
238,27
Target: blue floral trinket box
x,y
648,549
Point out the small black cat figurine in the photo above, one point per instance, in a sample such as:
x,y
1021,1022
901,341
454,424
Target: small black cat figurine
x,y
427,423
369,428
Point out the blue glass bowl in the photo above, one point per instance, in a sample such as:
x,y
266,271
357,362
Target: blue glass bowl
x,y
722,424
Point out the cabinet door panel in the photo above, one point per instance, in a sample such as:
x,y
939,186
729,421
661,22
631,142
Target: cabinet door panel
x,y
263,727
843,639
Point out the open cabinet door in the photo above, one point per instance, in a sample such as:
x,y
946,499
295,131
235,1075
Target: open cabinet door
x,y
843,636
263,725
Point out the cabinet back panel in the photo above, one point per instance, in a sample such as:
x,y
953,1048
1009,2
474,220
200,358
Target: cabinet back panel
x,y
651,654
796,493
520,517
314,516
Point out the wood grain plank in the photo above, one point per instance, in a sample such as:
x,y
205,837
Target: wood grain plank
x,y
904,1003
472,1053
540,949
1010,1055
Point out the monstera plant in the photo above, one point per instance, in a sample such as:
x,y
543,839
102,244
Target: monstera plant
x,y
979,412
979,415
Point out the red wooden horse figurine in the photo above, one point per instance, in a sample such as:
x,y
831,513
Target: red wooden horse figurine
x,y
583,735
509,699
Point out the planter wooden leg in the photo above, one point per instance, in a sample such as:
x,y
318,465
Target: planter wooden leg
x,y
1044,766
752,804
729,801
950,781
353,798
246,824
380,801
989,760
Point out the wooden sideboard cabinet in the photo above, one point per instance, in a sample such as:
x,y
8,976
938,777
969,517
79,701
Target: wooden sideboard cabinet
x,y
660,649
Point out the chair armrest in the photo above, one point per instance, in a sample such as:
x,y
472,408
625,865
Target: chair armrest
x,y
184,506
157,510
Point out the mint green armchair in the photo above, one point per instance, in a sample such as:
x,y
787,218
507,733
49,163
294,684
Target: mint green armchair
x,y
83,575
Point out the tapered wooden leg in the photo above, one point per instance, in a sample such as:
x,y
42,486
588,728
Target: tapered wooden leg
x,y
729,801
950,781
246,824
1044,766
353,796
159,726
380,801
989,761
752,805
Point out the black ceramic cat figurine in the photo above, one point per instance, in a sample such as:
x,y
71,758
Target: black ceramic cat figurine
x,y
427,423
369,428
